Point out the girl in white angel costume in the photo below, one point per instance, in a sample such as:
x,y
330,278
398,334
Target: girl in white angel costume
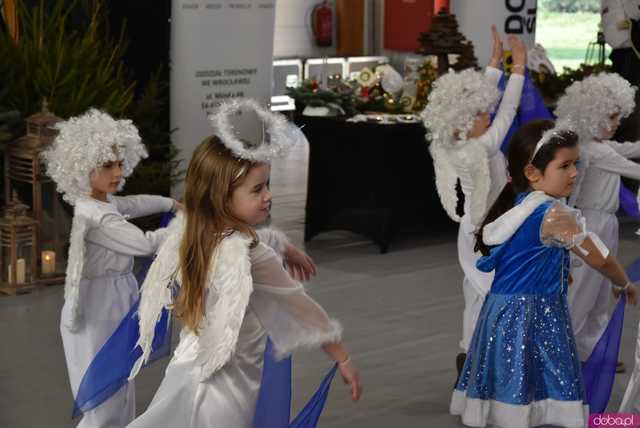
x,y
595,106
233,291
464,146
88,161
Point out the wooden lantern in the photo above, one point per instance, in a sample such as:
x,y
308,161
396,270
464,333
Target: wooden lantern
x,y
24,170
18,249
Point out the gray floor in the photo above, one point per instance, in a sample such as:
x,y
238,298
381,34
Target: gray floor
x,y
401,312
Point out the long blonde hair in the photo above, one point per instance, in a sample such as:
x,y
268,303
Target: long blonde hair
x,y
213,174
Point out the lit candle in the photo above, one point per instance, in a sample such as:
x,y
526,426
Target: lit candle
x,y
48,262
21,271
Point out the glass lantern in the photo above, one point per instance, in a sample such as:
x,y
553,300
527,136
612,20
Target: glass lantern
x,y
18,249
25,174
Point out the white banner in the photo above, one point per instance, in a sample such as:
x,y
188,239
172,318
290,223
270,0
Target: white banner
x,y
475,18
220,49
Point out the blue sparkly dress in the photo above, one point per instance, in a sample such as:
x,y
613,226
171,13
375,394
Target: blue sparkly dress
x,y
522,368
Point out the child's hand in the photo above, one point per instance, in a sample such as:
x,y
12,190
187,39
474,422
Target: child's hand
x,y
631,291
299,264
351,376
632,294
518,53
179,206
498,50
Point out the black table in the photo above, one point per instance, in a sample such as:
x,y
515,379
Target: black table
x,y
373,179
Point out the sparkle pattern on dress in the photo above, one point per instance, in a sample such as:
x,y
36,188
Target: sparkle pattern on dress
x,y
523,350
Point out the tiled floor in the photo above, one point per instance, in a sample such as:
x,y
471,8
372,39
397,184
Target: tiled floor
x,y
401,312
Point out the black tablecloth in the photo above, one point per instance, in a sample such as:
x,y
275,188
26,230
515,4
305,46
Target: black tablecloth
x,y
372,179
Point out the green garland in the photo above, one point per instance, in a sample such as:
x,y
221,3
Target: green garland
x,y
353,98
552,86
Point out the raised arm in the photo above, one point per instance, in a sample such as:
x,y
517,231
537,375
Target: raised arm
x,y
492,139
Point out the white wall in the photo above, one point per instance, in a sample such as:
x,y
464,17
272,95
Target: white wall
x,y
475,18
293,36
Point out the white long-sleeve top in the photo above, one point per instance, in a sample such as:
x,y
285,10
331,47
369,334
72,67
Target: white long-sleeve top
x,y
601,166
111,241
242,277
214,376
100,287
491,142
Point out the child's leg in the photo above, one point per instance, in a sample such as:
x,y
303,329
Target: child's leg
x,y
590,297
117,411
472,306
631,400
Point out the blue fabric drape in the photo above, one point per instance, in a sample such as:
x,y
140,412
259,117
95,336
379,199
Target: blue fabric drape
x,y
599,371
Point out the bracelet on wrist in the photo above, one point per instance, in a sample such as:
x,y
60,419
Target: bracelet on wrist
x,y
518,67
347,361
623,288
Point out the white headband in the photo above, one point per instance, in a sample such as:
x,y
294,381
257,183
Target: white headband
x,y
557,131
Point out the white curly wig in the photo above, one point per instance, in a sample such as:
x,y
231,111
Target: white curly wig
x,y
590,102
454,102
87,142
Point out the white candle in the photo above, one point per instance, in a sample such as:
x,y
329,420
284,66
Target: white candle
x,y
21,271
48,262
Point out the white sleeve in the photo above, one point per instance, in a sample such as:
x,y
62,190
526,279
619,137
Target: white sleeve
x,y
273,238
629,150
566,227
581,167
632,9
142,205
492,139
631,400
613,13
291,318
493,75
611,161
117,234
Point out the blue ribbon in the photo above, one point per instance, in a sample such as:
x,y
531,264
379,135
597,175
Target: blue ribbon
x,y
599,371
531,107
628,202
273,408
111,366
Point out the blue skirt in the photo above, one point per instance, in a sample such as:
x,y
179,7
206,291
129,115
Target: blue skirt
x,y
522,368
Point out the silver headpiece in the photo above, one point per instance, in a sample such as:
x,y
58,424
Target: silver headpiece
x,y
556,132
253,132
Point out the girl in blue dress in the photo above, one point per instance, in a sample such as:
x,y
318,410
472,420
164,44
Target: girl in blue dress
x,y
522,368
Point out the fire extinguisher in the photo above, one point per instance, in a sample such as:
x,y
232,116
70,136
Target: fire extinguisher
x,y
322,23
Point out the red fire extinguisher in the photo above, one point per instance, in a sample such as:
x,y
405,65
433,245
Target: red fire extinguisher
x,y
321,23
